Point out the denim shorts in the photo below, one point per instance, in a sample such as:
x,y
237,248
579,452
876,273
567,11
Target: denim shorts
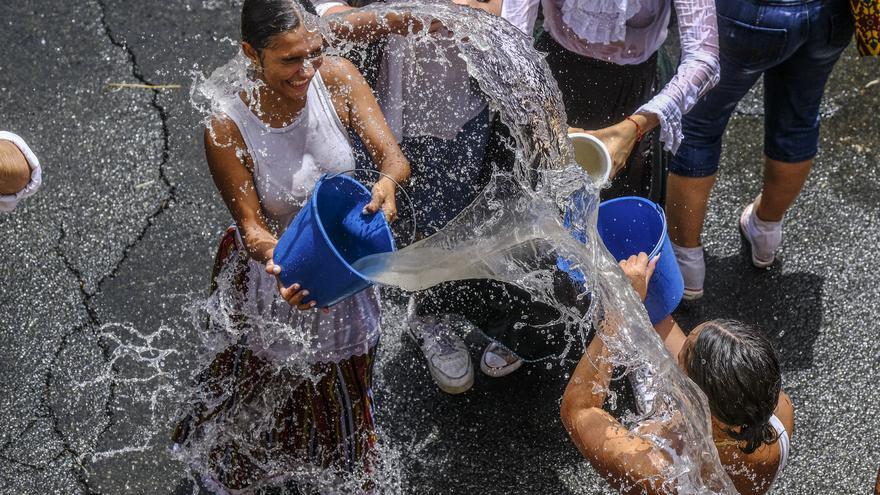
x,y
794,45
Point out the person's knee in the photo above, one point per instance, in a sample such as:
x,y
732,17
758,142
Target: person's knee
x,y
696,160
791,145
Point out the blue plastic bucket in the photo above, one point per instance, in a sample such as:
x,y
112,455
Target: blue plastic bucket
x,y
327,236
631,225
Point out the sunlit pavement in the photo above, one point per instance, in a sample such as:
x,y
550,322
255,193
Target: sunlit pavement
x,y
118,244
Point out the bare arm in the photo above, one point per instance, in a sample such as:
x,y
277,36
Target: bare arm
x,y
630,463
627,462
353,24
671,335
230,166
15,172
358,109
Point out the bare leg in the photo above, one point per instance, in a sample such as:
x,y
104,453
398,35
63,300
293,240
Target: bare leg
x,y
686,202
782,183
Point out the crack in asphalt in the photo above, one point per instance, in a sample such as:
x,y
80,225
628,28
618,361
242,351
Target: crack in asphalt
x,y
48,412
80,473
166,141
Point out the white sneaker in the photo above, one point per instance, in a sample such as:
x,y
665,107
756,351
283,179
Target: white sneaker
x,y
693,270
447,355
764,237
498,361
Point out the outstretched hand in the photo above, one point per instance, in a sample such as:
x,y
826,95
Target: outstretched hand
x,y
620,139
383,198
639,269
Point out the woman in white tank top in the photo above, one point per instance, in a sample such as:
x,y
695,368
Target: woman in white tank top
x,y
294,391
733,364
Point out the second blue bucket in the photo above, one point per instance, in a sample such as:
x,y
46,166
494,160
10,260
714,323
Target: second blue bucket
x,y
329,234
632,225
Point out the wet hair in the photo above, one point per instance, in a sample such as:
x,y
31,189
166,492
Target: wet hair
x,y
262,20
737,368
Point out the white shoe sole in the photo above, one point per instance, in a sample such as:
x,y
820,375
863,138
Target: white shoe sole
x,y
499,372
454,389
758,263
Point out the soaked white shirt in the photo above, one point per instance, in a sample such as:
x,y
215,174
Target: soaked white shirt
x,y
8,202
424,88
644,31
288,161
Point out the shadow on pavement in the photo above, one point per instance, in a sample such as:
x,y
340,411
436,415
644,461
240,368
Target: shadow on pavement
x,y
476,442
786,306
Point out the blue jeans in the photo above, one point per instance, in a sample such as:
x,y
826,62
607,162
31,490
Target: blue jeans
x,y
794,45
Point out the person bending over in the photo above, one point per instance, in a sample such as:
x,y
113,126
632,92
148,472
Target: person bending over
x,y
20,173
443,124
733,364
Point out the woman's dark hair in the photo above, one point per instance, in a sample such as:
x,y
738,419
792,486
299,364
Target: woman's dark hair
x,y
261,20
737,368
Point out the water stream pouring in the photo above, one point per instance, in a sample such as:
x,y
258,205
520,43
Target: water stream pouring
x,y
514,233
509,236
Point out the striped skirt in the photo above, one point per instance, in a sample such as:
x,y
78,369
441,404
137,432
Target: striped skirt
x,y
253,423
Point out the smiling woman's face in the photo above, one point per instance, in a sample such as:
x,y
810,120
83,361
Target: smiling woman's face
x,y
290,61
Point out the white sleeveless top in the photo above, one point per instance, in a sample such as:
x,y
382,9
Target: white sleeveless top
x,y
288,161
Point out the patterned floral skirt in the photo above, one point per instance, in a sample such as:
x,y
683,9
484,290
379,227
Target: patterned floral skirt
x,y
866,14
252,422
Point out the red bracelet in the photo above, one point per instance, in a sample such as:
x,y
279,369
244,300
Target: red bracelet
x,y
639,133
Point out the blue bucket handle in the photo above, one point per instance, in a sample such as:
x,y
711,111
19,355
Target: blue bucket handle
x,y
665,232
399,186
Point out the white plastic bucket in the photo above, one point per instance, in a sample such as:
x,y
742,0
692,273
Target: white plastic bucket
x,y
592,155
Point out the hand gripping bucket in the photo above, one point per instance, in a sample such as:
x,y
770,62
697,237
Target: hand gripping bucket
x,y
628,226
327,236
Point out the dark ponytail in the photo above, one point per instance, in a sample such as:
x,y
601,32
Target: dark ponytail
x,y
261,20
737,368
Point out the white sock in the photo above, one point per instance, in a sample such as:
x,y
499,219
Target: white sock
x,y
691,264
758,227
765,237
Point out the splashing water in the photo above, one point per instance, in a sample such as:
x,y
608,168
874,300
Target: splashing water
x,y
512,233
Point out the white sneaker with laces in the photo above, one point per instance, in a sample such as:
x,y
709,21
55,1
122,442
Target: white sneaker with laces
x,y
447,355
764,237
498,361
693,270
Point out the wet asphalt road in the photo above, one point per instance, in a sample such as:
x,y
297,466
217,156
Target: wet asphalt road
x,y
118,243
